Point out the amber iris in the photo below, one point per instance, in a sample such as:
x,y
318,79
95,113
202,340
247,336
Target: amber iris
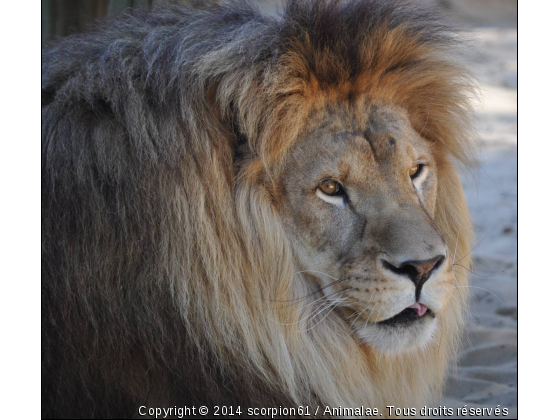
x,y
330,187
414,170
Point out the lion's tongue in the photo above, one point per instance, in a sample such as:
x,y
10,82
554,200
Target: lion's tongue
x,y
419,308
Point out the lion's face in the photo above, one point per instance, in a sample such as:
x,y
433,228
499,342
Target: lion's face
x,y
358,198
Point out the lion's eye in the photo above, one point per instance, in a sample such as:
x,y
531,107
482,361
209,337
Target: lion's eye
x,y
330,187
415,171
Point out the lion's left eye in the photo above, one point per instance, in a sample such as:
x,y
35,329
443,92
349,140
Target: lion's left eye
x,y
415,171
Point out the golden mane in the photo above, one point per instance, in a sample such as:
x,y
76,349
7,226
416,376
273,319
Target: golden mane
x,y
167,276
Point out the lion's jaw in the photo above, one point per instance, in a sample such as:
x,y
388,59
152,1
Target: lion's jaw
x,y
357,247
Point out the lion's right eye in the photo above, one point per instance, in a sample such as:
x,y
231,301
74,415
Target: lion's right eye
x,y
331,187
332,192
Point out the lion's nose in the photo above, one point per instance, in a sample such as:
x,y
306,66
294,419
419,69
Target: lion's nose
x,y
417,271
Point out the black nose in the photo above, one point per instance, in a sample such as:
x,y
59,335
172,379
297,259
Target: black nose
x,y
417,271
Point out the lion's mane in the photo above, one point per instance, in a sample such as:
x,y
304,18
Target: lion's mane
x,y
164,263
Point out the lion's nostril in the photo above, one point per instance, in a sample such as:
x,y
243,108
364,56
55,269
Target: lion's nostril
x,y
402,269
416,270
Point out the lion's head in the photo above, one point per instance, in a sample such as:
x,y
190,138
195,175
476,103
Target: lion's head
x,y
357,197
248,210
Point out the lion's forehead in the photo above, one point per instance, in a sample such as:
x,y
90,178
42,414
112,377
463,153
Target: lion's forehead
x,y
355,143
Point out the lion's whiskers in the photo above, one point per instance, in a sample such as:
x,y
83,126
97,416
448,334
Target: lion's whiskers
x,y
455,252
471,250
298,299
369,316
456,299
333,305
475,287
316,271
358,316
322,306
307,305
482,288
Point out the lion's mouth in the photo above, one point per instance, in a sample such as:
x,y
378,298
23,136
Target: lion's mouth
x,y
409,315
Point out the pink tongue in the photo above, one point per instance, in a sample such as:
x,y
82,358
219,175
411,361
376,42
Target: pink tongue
x,y
419,308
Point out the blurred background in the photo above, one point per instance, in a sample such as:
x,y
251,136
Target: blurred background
x,y
487,368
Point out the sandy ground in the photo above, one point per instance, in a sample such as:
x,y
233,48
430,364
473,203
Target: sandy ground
x,y
487,371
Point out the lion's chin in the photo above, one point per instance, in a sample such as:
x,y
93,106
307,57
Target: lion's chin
x,y
398,338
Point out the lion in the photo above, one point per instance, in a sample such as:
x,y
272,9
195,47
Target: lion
x,y
253,211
